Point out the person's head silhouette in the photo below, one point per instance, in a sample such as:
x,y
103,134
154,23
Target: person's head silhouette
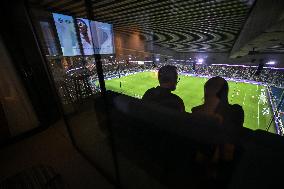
x,y
162,95
168,77
216,87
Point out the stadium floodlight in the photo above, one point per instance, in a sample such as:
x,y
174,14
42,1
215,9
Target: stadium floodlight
x,y
270,62
200,61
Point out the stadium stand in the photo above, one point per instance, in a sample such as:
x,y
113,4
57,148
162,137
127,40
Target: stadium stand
x,y
269,76
277,103
61,57
68,79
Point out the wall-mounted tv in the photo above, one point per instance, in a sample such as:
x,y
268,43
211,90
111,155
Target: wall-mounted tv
x,y
67,34
96,37
102,35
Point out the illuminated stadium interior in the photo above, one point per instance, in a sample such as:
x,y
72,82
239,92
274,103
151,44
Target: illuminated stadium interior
x,y
134,44
91,64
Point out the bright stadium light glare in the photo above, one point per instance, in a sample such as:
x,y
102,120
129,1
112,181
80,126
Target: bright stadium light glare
x,y
270,62
157,59
200,61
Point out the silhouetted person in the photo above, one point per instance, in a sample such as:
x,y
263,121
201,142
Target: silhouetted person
x,y
230,116
216,104
162,95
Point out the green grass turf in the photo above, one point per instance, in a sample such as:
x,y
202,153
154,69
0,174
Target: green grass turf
x,y
190,89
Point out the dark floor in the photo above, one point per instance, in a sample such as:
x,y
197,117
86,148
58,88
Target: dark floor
x,y
51,147
94,142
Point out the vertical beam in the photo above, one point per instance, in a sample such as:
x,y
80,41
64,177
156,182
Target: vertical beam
x,y
79,40
90,16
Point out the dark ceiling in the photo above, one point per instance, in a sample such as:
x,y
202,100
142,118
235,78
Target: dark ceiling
x,y
180,25
263,32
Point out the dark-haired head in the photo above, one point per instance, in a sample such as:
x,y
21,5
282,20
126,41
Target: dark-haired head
x,y
168,76
216,87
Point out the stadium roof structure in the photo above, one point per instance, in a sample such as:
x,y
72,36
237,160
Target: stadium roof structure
x,y
216,26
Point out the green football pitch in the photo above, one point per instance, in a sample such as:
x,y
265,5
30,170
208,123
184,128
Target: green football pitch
x,y
251,97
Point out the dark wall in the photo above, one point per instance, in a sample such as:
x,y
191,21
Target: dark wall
x,y
134,44
21,42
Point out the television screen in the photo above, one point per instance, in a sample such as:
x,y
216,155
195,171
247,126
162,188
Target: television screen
x,y
85,35
102,36
67,34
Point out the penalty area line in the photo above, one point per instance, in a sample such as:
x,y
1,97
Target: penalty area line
x,y
258,108
258,113
244,99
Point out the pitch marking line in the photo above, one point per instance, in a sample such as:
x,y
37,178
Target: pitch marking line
x,y
258,113
258,109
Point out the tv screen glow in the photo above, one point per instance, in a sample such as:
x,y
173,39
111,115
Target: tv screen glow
x,y
67,34
102,36
85,35
96,37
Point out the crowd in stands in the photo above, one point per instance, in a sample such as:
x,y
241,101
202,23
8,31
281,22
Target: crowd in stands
x,y
277,103
115,69
268,76
112,70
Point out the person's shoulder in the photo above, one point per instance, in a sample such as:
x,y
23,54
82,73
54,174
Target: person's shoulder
x,y
196,109
237,113
236,108
149,92
176,97
151,89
